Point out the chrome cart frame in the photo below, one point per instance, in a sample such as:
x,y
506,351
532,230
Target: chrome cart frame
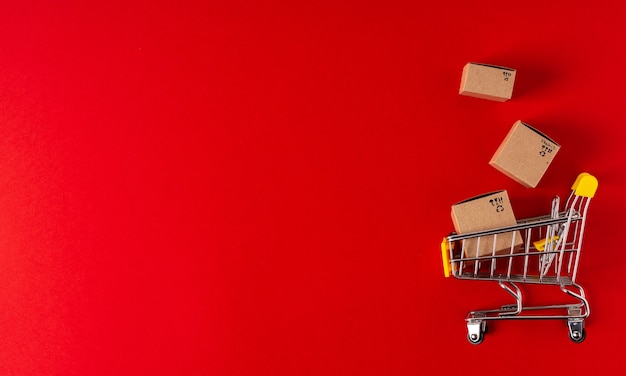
x,y
549,255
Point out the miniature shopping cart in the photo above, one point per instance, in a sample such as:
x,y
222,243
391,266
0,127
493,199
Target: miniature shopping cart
x,y
549,255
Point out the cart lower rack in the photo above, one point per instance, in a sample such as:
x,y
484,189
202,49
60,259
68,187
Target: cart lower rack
x,y
549,255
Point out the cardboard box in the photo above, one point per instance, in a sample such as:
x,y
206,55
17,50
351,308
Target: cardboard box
x,y
525,154
487,82
486,212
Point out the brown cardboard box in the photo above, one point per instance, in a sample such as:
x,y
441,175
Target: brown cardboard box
x,y
487,82
525,154
485,212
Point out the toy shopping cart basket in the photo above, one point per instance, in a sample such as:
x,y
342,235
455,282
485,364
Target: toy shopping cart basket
x,y
549,255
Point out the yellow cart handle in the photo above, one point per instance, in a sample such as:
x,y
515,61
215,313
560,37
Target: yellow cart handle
x,y
445,256
540,245
585,185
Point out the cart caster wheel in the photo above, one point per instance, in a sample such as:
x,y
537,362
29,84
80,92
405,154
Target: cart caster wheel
x,y
476,329
475,339
578,336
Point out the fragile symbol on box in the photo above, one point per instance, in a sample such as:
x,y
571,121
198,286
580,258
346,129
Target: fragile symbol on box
x,y
497,202
545,148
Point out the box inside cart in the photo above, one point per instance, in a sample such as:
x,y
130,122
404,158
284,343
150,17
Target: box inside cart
x,y
487,82
525,154
485,212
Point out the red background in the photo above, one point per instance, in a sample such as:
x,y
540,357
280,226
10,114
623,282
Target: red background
x,y
251,188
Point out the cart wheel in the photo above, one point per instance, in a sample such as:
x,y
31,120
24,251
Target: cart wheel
x,y
475,339
578,336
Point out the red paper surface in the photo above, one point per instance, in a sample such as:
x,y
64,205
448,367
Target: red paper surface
x,y
260,188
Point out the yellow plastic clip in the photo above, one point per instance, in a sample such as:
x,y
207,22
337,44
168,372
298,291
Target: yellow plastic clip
x,y
540,245
585,185
445,256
